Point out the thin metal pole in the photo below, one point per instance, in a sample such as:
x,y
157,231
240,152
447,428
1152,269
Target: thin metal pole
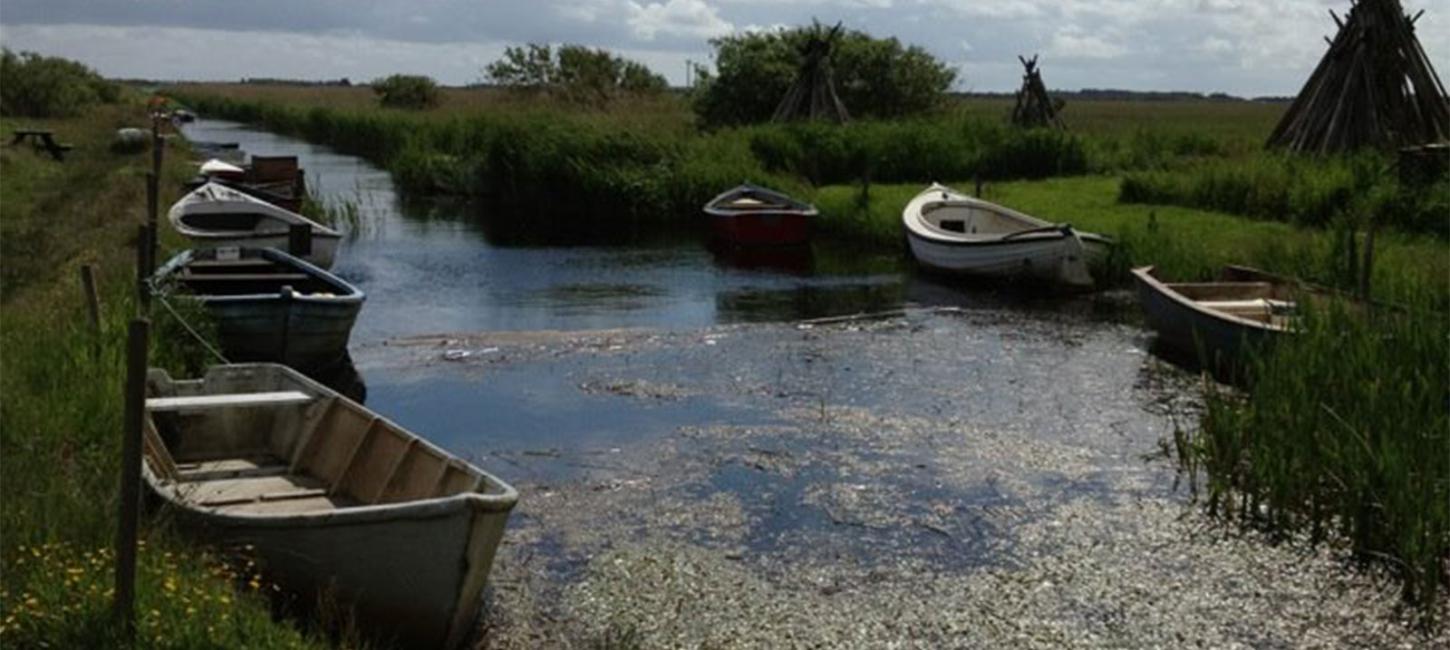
x,y
123,608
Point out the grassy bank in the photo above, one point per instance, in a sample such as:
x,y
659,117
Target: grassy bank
x,y
60,419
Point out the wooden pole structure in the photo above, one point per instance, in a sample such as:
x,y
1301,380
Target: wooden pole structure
x,y
153,186
123,607
93,306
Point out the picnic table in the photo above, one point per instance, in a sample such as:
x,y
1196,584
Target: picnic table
x,y
41,139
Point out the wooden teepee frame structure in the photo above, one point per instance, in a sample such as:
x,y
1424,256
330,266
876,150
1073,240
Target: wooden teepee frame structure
x,y
813,95
1374,88
1034,107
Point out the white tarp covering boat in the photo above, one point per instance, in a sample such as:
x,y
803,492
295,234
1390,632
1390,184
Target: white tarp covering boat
x,y
214,215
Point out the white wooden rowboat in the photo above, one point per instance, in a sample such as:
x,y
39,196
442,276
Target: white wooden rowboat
x,y
334,499
952,232
214,215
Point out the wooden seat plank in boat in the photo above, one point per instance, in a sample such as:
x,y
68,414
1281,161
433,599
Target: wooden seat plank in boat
x,y
231,468
243,277
225,400
238,263
225,493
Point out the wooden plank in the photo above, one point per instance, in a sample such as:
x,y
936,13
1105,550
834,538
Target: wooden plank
x,y
243,277
206,264
200,402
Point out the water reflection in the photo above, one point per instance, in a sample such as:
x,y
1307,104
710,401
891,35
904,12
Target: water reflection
x,y
432,266
790,260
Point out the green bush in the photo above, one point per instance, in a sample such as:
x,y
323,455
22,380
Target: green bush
x,y
46,86
414,92
875,77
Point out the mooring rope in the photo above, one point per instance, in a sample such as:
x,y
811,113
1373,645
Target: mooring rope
x,y
187,326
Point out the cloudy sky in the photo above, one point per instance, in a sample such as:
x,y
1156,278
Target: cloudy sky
x,y
1245,47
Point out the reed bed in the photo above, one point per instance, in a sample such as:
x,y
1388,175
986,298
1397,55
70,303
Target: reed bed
x,y
1301,190
661,168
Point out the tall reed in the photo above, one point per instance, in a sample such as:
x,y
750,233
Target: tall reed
x,y
1345,435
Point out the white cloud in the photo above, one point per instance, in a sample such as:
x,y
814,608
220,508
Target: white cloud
x,y
682,18
1073,42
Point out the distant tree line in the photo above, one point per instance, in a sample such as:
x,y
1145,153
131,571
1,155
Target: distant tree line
x,y
576,73
32,85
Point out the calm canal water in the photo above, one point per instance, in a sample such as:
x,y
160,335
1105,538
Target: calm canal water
x,y
450,268
446,270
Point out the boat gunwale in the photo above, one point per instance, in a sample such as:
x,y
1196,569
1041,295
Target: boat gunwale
x,y
912,218
1144,275
794,206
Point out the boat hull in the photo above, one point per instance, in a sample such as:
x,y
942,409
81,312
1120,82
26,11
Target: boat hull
x,y
399,568
762,228
303,321
307,335
1039,258
749,215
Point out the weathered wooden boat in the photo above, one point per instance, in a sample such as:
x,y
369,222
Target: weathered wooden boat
x,y
279,177
268,305
755,216
1218,322
216,215
951,232
334,500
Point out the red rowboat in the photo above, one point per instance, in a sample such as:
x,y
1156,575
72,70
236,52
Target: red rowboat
x,y
756,216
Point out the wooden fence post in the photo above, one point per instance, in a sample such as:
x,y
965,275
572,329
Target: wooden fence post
x,y
93,306
123,607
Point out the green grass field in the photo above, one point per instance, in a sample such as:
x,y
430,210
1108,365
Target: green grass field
x,y
60,419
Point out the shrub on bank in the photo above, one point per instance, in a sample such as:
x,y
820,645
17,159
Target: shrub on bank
x,y
874,77
46,86
414,92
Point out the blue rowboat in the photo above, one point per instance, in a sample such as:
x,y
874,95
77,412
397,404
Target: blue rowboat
x,y
268,305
